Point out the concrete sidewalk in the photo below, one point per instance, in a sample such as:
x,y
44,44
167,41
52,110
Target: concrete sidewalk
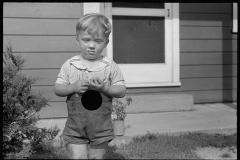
x,y
213,118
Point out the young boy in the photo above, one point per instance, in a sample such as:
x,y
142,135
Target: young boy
x,y
89,71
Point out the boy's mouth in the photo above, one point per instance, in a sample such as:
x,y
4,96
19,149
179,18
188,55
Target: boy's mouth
x,y
90,51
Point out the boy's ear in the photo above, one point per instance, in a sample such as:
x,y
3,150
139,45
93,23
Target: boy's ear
x,y
77,39
107,42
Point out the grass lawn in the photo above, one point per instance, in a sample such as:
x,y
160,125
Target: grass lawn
x,y
157,146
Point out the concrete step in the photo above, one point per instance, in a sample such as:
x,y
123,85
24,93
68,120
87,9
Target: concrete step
x,y
159,103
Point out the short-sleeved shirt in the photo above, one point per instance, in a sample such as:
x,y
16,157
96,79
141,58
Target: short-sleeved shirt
x,y
107,70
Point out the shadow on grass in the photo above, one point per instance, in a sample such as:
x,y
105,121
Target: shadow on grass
x,y
42,153
154,146
112,154
51,153
213,140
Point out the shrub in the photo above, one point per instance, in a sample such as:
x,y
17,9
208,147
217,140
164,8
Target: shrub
x,y
20,107
119,108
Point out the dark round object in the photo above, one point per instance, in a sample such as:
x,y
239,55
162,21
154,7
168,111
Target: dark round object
x,y
91,100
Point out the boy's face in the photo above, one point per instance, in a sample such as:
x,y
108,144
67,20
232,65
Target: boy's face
x,y
92,45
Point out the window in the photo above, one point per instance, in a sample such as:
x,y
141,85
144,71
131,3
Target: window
x,y
138,39
145,42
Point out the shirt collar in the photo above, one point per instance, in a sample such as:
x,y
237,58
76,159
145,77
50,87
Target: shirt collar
x,y
77,62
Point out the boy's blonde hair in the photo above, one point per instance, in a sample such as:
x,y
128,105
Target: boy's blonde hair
x,y
94,22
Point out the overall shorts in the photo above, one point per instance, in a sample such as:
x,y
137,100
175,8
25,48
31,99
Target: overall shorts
x,y
85,126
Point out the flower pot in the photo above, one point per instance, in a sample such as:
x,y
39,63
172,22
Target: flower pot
x,y
118,127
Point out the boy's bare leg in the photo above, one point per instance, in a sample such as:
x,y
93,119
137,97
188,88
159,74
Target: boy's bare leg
x,y
78,151
98,151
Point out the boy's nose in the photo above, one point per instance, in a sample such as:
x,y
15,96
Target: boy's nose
x,y
91,45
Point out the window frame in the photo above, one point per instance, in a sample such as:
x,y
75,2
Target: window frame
x,y
235,18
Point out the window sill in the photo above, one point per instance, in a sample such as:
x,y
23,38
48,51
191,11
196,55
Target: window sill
x,y
153,84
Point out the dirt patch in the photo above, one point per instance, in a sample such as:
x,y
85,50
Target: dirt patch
x,y
217,153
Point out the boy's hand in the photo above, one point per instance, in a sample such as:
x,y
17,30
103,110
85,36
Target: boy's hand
x,y
80,86
98,85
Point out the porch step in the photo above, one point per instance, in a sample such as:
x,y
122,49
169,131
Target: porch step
x,y
159,103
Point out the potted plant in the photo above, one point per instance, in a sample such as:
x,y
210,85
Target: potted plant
x,y
119,108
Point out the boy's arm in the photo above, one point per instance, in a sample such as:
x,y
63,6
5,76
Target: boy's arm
x,y
63,90
116,91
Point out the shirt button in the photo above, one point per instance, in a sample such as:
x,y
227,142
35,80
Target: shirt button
x,y
76,94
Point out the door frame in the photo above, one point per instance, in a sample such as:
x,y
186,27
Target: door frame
x,y
171,14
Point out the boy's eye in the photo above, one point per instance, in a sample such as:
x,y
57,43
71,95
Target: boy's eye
x,y
98,41
85,40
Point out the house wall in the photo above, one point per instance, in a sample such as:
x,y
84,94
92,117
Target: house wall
x,y
44,34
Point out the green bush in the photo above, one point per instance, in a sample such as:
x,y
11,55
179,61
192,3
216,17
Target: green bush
x,y
20,108
119,108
